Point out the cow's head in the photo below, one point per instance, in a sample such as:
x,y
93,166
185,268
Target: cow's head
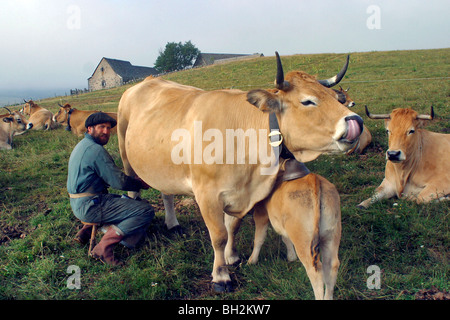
x,y
17,122
26,109
401,126
343,97
63,113
327,125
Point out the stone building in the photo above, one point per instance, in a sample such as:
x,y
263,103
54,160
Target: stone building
x,y
112,73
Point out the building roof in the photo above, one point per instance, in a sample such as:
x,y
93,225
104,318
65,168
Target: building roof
x,y
127,71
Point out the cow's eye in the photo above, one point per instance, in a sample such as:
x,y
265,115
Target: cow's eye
x,y
411,131
387,131
308,102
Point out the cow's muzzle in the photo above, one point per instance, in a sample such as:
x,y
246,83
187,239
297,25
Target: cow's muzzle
x,y
354,128
395,155
29,126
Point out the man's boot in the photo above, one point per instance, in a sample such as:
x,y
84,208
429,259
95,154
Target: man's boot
x,y
104,249
84,235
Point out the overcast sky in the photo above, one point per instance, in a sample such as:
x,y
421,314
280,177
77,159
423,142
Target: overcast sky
x,y
58,43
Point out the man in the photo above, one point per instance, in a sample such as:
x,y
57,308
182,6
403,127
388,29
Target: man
x,y
91,171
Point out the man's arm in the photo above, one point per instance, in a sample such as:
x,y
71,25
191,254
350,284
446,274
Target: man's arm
x,y
113,175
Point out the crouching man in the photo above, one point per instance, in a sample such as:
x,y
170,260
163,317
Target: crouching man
x,y
91,171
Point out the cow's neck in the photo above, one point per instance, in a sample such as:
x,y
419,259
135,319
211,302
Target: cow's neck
x,y
69,114
406,169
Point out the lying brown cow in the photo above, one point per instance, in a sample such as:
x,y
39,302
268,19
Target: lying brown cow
x,y
418,163
41,118
366,138
306,213
74,119
11,124
343,97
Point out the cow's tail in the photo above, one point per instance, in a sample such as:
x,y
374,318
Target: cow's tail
x,y
315,243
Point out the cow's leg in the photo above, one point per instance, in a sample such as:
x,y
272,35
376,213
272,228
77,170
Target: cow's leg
x,y
330,264
291,255
170,218
385,191
330,237
261,219
302,240
212,212
232,224
121,132
430,193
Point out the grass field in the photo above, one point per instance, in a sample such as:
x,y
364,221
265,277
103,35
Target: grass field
x,y
408,242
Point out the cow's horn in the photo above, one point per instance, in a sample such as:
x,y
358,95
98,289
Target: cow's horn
x,y
8,110
280,83
337,78
377,116
426,116
59,104
25,101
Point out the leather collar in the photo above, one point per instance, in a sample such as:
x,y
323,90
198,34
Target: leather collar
x,y
293,169
69,128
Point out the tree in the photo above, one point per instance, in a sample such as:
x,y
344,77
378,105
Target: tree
x,y
176,56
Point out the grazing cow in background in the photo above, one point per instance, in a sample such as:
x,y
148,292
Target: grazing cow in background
x,y
343,97
40,117
306,213
12,124
366,138
164,127
418,163
74,119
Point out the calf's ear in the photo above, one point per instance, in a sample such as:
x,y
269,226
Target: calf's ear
x,y
264,100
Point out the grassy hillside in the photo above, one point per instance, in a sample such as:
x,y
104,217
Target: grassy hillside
x,y
409,242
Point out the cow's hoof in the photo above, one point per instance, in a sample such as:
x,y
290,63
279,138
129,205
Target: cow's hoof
x,y
178,230
221,287
360,207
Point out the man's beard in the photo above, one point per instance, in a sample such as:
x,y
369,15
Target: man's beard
x,y
98,139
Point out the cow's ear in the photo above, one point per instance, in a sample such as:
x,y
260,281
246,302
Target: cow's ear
x,y
264,100
8,119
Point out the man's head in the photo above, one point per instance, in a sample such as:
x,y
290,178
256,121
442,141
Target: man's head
x,y
99,126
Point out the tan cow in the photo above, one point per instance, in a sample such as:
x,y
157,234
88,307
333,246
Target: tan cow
x,y
343,97
306,213
11,124
184,140
418,165
41,118
366,137
75,119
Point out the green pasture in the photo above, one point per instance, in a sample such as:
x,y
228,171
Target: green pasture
x,y
408,242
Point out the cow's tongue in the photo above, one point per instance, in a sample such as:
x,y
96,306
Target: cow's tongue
x,y
353,130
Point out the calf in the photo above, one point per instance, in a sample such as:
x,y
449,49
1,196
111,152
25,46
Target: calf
x,y
74,119
40,117
11,124
417,164
306,213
